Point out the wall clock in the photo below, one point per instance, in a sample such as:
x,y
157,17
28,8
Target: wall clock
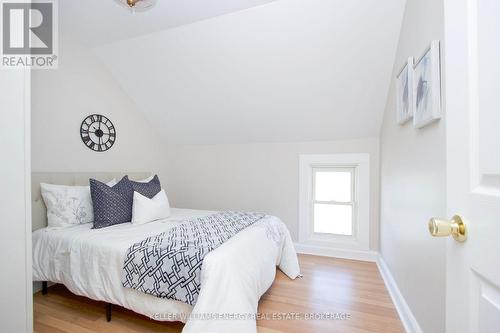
x,y
98,132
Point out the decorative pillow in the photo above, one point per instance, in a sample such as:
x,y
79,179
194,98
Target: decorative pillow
x,y
112,205
149,189
147,210
68,205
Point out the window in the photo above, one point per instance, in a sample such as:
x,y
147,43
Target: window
x,y
334,201
333,204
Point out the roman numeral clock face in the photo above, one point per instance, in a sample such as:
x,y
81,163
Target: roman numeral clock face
x,y
98,132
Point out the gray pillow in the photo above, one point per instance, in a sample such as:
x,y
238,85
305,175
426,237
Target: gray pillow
x,y
149,189
112,205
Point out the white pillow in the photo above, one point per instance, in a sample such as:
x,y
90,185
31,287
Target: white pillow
x,y
68,205
147,180
146,210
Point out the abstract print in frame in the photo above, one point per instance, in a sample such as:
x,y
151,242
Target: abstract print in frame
x,y
427,87
404,93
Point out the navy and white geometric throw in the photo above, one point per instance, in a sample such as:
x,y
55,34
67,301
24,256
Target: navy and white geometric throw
x,y
168,265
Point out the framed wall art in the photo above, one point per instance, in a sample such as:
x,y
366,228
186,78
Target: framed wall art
x,y
427,87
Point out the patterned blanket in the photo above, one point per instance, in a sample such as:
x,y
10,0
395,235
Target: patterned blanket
x,y
168,265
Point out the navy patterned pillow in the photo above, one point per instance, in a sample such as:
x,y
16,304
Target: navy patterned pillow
x,y
112,205
149,189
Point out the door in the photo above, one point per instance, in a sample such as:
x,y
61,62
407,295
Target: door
x,y
15,202
472,97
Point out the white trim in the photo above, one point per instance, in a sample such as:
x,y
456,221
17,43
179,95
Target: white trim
x,y
360,240
27,198
407,318
352,203
324,251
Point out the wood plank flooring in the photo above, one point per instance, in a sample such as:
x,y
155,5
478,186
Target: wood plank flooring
x,y
329,286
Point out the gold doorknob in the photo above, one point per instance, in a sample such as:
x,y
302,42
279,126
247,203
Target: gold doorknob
x,y
454,227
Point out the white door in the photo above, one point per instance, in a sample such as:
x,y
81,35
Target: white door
x,y
16,298
472,96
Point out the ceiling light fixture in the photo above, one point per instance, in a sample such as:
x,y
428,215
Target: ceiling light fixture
x,y
137,5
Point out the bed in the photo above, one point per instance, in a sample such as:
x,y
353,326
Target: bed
x,y
89,262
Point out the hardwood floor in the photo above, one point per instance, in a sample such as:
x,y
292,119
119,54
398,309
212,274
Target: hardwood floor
x,y
331,286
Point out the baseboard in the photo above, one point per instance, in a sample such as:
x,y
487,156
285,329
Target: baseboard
x,y
336,253
37,286
407,318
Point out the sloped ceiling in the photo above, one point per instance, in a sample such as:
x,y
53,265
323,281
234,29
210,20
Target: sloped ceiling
x,y
285,71
97,22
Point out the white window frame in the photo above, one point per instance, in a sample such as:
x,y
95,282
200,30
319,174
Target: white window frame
x,y
360,166
352,203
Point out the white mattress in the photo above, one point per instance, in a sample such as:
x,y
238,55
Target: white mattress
x,y
89,263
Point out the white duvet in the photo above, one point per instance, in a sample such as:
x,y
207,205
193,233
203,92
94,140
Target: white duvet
x,y
234,276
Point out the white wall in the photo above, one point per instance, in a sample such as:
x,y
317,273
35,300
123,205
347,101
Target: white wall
x,y
413,184
286,71
62,98
15,238
259,177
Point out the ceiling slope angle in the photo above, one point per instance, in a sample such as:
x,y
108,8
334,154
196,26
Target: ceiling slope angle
x,y
286,71
97,22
